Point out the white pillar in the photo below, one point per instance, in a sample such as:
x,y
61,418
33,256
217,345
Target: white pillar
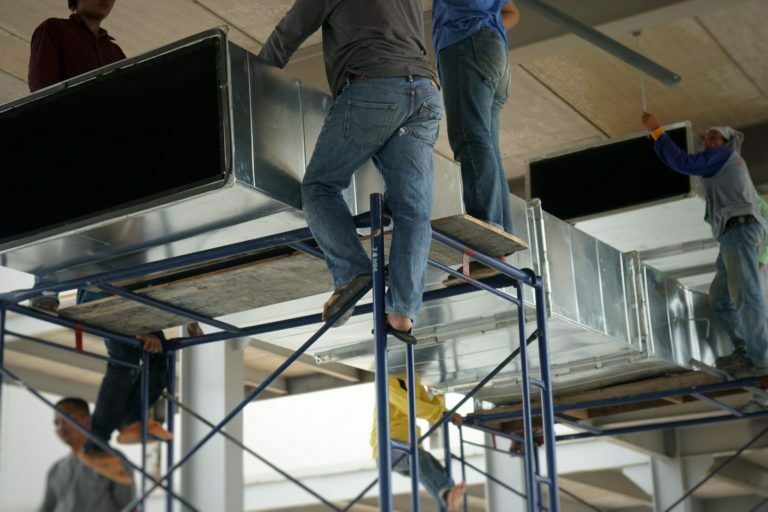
x,y
669,485
511,471
211,385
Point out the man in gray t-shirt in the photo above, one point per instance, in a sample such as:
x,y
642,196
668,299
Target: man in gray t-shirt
x,y
387,110
71,486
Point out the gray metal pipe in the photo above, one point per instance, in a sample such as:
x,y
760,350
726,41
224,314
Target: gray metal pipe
x,y
603,42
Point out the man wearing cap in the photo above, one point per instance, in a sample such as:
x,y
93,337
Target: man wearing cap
x,y
733,211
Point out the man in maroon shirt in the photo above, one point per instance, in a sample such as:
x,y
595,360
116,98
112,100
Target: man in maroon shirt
x,y
62,49
65,48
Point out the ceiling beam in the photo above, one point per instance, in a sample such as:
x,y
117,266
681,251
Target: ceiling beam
x,y
743,474
50,354
315,382
337,370
59,386
610,482
535,37
253,377
721,438
656,444
602,41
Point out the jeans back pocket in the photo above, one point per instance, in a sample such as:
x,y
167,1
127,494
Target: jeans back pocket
x,y
425,125
490,56
368,124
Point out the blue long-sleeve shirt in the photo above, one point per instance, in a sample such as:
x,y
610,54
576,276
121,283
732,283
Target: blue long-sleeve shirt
x,y
706,163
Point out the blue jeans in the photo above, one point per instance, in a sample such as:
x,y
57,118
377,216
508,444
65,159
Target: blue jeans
x,y
395,122
432,474
119,401
736,293
475,76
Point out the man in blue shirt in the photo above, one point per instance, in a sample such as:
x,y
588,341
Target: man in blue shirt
x,y
733,211
470,42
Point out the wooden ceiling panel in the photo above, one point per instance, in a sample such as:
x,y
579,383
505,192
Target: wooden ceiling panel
x,y
14,57
742,33
11,88
165,22
257,19
535,122
607,91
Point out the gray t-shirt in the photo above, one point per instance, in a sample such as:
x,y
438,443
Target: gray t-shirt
x,y
730,193
369,38
72,487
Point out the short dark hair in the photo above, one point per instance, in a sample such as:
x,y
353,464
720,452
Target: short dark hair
x,y
72,4
77,404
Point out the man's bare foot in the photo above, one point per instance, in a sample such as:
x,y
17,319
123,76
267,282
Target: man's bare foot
x,y
45,303
401,323
107,465
194,330
401,327
342,297
453,497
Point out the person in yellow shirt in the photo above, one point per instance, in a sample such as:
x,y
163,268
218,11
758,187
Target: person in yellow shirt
x,y
432,474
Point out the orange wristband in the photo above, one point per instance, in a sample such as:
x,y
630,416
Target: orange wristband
x,y
658,132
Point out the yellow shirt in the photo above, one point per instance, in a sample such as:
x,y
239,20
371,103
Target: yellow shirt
x,y
428,408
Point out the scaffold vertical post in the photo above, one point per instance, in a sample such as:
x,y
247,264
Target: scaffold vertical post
x,y
465,498
413,437
380,343
548,412
2,360
531,486
448,458
171,423
144,419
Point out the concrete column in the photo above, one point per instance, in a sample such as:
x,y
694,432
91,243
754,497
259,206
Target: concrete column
x,y
212,384
511,471
669,485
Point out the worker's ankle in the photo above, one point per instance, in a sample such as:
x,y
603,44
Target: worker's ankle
x,y
401,323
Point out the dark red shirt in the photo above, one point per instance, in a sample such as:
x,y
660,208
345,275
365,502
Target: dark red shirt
x,y
63,49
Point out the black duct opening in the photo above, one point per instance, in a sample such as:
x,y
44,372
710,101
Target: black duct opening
x,y
606,178
135,135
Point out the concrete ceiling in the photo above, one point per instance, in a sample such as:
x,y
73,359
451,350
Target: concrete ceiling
x,y
564,92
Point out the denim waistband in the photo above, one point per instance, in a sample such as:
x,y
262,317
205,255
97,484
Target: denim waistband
x,y
387,81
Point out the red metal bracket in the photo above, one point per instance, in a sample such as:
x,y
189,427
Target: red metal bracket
x,y
78,338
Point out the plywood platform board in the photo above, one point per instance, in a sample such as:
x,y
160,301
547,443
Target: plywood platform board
x,y
261,283
663,383
481,236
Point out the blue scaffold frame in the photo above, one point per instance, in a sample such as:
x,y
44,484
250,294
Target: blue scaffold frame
x,y
297,239
478,422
